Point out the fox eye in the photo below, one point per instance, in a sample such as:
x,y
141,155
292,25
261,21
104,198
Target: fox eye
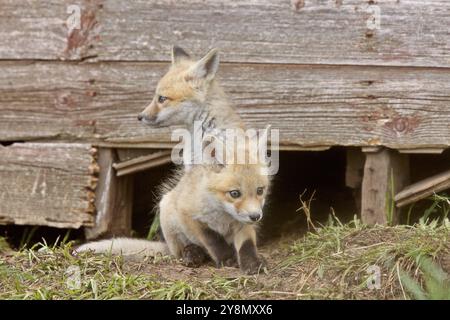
x,y
235,194
161,99
260,191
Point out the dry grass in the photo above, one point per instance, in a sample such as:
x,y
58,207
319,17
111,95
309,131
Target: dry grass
x,y
338,259
330,263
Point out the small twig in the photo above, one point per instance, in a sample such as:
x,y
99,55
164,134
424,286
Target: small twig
x,y
307,278
306,208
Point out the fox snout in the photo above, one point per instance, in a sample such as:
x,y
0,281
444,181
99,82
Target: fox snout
x,y
255,216
143,117
149,115
251,215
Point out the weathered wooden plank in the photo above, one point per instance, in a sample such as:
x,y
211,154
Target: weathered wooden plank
x,y
423,189
48,30
423,151
129,154
354,171
383,32
312,106
385,173
142,163
354,168
49,184
113,201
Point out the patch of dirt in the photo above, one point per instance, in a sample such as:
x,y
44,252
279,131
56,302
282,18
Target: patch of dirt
x,y
275,278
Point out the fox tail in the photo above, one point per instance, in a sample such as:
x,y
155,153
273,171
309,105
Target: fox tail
x,y
125,247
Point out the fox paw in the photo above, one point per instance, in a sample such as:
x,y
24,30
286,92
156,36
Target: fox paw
x,y
254,266
194,256
228,262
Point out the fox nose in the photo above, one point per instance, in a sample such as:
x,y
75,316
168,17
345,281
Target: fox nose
x,y
255,216
144,117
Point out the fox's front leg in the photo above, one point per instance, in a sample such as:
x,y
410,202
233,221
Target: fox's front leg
x,y
214,243
245,243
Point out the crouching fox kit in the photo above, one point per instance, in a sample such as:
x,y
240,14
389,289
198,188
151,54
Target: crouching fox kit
x,y
211,210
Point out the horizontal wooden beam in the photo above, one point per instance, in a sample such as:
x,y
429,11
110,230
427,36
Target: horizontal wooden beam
x,y
311,106
423,189
142,163
388,33
422,151
50,184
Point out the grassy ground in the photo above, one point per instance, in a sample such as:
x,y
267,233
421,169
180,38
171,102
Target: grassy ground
x,y
332,262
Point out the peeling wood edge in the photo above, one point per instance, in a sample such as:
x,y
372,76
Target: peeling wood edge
x,y
372,149
94,171
47,223
168,145
284,146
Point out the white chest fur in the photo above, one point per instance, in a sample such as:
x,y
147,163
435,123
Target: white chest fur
x,y
219,221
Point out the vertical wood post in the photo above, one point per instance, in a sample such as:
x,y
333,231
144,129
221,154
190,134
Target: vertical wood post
x,y
114,200
354,171
385,173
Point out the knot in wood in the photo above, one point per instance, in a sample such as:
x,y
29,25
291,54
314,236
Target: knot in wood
x,y
400,124
297,4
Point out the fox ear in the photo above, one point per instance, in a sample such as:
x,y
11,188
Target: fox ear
x,y
206,67
178,54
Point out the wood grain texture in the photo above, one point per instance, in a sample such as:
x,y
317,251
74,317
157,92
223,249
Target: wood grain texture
x,y
410,33
142,163
423,189
49,184
113,200
311,106
354,168
385,173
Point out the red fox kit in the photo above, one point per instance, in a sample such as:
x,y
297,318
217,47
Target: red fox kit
x,y
210,210
188,92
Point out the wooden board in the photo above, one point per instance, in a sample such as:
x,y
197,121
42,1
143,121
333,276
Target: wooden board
x,y
312,106
423,189
142,163
49,184
113,200
385,173
410,33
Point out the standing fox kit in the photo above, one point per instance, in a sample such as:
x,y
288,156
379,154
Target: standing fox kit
x,y
188,92
212,209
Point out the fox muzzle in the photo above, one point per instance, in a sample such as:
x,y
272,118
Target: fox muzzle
x,y
146,119
255,216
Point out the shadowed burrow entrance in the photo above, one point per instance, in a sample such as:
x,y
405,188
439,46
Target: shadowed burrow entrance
x,y
307,183
319,176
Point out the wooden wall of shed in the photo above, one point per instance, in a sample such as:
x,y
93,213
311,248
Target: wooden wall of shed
x,y
50,184
317,72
